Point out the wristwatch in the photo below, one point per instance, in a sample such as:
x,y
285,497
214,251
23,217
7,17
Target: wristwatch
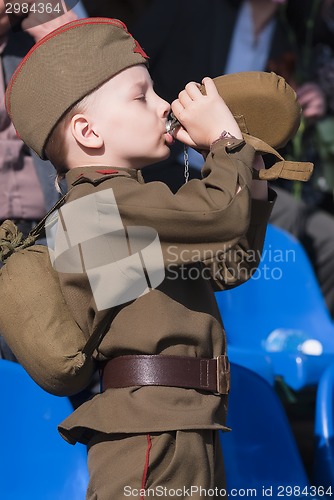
x,y
230,141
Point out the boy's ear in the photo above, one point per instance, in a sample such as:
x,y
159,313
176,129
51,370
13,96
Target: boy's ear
x,y
85,133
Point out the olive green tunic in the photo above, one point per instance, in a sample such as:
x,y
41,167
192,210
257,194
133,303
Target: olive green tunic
x,y
209,220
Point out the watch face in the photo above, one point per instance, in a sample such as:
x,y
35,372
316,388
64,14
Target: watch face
x,y
226,135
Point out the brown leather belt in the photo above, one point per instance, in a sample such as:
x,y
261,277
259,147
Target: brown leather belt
x,y
211,375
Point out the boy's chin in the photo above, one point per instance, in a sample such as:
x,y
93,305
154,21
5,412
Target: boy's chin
x,y
158,159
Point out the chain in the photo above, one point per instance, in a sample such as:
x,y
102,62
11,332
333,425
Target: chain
x,y
186,163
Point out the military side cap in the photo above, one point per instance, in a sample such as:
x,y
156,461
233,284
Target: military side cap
x,y
62,68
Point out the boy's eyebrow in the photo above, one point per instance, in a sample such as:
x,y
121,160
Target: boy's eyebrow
x,y
141,83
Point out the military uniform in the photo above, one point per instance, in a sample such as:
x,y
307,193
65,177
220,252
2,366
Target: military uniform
x,y
144,435
179,318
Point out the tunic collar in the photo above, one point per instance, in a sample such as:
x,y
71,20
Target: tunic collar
x,y
95,172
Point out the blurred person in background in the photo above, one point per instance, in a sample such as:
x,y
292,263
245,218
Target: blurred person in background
x,y
27,183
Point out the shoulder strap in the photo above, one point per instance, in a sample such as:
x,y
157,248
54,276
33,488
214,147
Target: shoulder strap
x,y
284,169
11,238
39,229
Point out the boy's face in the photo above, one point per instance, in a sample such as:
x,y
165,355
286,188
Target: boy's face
x,y
131,118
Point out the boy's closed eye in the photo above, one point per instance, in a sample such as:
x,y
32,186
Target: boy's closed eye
x,y
141,97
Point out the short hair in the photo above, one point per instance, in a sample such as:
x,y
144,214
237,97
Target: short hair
x,y
56,148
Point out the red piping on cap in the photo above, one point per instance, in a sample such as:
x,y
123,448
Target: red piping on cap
x,y
63,29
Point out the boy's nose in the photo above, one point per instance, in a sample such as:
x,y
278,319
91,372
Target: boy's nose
x,y
165,108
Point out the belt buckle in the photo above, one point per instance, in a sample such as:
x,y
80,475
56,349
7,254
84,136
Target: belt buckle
x,y
223,375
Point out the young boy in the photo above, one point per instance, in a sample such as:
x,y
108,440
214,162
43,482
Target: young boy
x,y
93,112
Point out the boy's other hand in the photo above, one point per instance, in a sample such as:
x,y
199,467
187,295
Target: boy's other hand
x,y
203,117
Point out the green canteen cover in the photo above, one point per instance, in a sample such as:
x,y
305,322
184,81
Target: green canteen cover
x,y
268,114
37,324
263,104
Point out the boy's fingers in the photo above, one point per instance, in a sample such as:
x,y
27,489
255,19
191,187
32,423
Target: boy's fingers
x,y
177,108
184,98
193,91
182,135
210,86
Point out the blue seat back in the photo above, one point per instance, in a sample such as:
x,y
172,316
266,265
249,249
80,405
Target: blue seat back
x,y
282,295
260,451
35,462
324,430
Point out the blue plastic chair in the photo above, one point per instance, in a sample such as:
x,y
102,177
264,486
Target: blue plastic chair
x,y
324,431
35,462
283,294
260,452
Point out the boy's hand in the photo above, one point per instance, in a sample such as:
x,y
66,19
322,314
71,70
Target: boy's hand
x,y
203,117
